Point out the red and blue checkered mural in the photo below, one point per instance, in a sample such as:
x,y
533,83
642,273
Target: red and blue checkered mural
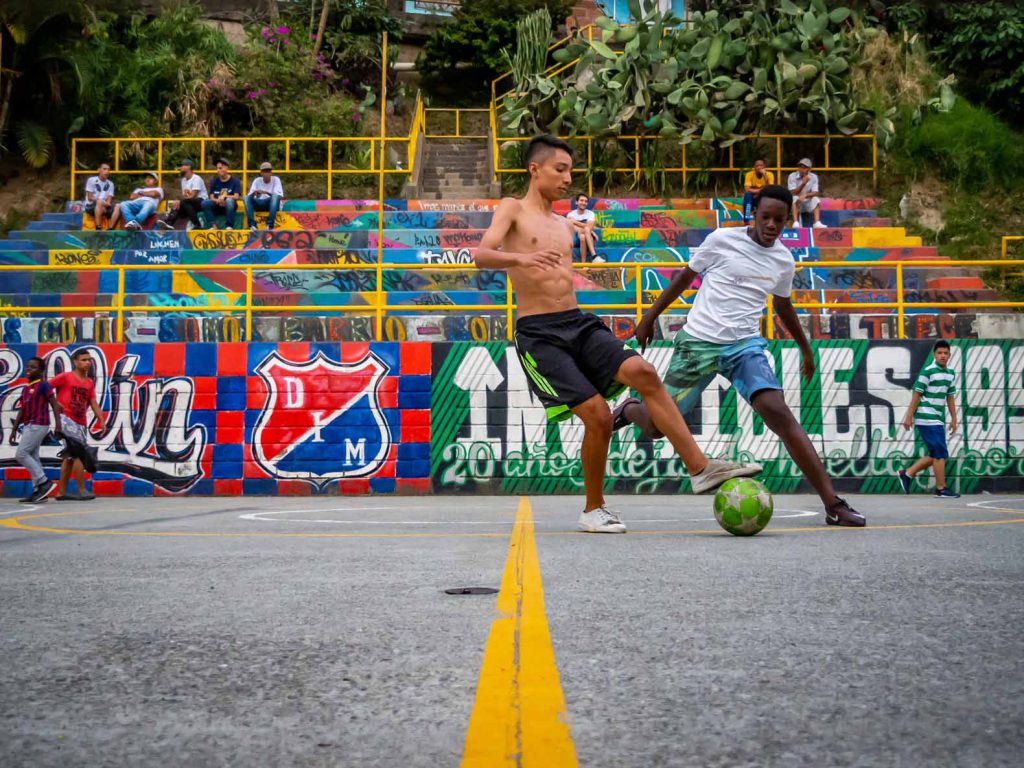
x,y
236,418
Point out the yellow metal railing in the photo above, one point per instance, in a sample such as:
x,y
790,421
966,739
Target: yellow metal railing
x,y
684,170
459,116
247,166
379,308
1007,239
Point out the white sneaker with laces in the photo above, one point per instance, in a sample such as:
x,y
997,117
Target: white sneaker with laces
x,y
819,225
600,520
597,260
717,472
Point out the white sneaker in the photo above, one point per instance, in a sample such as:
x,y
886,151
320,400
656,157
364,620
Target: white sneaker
x,y
717,472
597,260
228,229
600,520
189,227
133,226
819,225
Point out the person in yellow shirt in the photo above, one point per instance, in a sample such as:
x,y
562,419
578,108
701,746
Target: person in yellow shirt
x,y
753,183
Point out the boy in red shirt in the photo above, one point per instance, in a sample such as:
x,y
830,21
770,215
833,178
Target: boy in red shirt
x,y
34,419
76,393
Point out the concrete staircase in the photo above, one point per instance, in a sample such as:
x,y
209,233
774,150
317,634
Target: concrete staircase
x,y
457,169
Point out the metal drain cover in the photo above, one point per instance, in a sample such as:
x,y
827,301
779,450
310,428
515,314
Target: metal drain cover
x,y
471,591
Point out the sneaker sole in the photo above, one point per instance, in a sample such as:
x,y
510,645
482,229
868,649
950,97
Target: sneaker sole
x,y
584,529
751,470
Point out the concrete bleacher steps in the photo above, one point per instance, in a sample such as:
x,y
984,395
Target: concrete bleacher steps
x,y
424,232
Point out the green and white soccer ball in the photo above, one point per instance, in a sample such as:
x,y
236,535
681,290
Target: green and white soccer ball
x,y
743,506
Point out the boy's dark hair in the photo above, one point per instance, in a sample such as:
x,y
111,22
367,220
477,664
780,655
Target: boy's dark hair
x,y
79,352
759,160
542,146
774,192
222,161
102,163
581,194
941,344
42,363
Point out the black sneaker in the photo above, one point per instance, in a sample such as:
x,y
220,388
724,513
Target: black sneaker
x,y
619,419
67,497
841,513
86,496
945,493
904,479
41,491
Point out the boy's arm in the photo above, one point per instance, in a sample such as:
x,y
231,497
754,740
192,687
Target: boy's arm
x,y
679,283
489,254
784,309
57,410
96,410
951,404
908,420
13,439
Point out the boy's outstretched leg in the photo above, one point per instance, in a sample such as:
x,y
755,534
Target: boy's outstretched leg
x,y
597,434
705,473
771,406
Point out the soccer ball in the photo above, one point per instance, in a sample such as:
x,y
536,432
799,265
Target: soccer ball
x,y
743,506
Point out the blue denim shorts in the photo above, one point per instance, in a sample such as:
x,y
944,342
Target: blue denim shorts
x,y
934,438
695,364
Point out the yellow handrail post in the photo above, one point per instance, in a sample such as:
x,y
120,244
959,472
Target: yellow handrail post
x,y
74,164
248,303
509,322
590,167
639,294
120,304
330,168
160,162
684,169
827,139
900,331
245,166
874,162
458,133
117,155
769,320
379,325
778,159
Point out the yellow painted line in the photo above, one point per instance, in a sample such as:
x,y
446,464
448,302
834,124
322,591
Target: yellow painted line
x,y
17,523
519,718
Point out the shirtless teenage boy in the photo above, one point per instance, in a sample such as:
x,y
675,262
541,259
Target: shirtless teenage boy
x,y
572,360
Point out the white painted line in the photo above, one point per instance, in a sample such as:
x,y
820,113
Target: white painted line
x,y
263,518
986,505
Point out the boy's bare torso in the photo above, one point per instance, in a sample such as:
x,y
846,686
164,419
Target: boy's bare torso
x,y
538,290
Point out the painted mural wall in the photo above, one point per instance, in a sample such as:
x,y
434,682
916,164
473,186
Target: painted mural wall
x,y
301,418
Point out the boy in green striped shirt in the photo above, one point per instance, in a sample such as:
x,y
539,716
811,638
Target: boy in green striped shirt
x,y
933,391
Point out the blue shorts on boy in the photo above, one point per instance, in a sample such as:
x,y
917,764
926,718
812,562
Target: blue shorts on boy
x,y
934,438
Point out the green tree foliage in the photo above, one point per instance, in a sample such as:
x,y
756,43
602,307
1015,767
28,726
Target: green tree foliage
x,y
982,43
462,56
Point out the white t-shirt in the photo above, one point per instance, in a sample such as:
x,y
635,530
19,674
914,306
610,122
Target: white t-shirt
x,y
575,215
811,186
737,276
195,183
104,190
272,187
139,190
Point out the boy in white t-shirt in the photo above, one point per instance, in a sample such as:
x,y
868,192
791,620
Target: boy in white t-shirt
x,y
739,268
193,192
141,204
583,222
265,194
99,195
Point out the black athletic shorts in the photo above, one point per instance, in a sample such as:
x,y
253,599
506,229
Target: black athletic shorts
x,y
568,358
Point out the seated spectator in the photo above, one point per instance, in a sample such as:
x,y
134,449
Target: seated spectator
x,y
753,183
583,222
225,192
193,193
265,194
806,195
140,205
99,195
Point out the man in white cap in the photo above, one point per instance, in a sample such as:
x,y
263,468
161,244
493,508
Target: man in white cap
x,y
265,194
806,193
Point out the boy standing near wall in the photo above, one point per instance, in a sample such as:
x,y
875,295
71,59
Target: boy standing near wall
x,y
934,390
76,393
34,420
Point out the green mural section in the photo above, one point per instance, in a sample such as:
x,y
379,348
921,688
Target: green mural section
x,y
489,433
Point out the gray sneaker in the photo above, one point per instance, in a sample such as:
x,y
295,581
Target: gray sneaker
x,y
717,472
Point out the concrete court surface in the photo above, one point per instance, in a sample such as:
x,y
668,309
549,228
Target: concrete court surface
x,y
316,632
